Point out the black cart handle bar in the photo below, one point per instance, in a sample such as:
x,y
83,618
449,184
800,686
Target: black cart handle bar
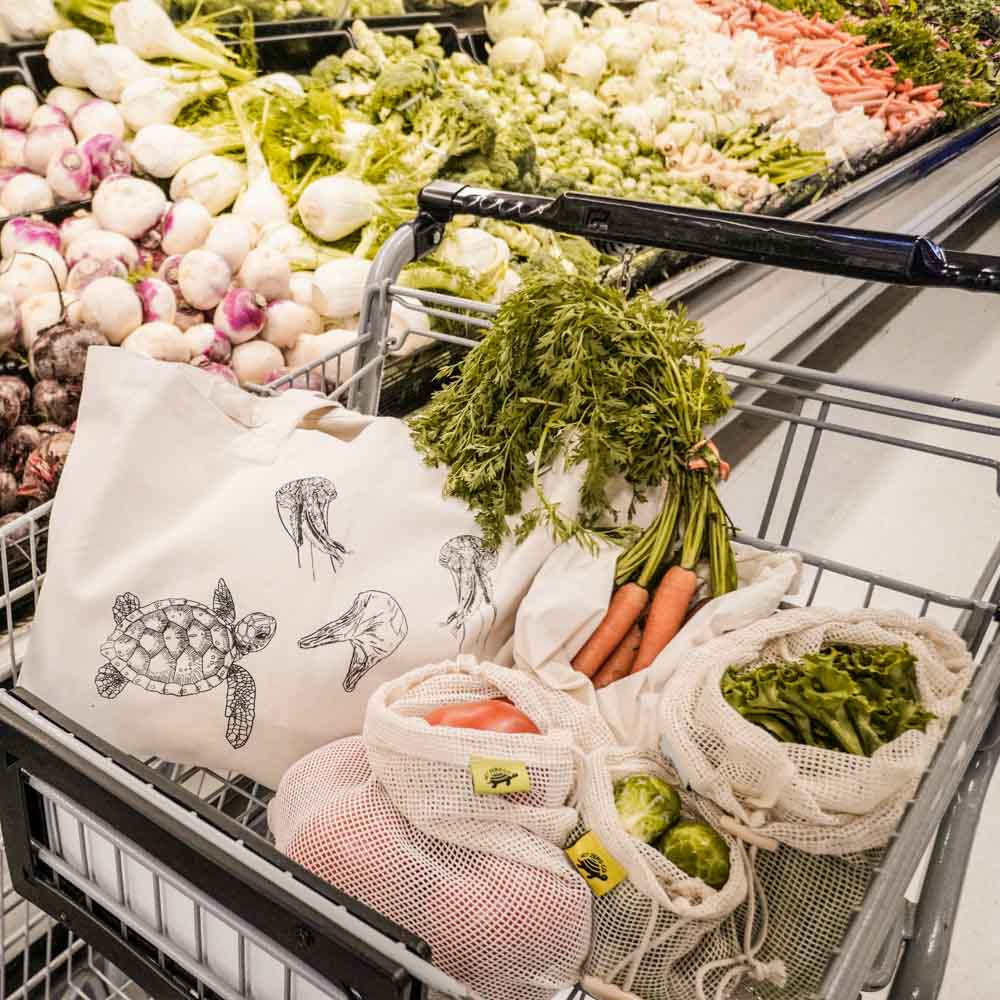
x,y
892,258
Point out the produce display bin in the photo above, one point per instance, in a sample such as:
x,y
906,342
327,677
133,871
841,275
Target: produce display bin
x,y
167,870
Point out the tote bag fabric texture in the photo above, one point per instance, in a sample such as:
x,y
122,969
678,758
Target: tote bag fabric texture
x,y
231,576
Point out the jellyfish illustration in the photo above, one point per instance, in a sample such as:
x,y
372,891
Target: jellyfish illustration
x,y
374,625
470,564
303,509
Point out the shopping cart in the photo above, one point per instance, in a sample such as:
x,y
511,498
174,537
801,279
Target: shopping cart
x,y
167,871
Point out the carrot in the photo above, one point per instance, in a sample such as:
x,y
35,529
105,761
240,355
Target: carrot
x,y
666,613
619,663
628,602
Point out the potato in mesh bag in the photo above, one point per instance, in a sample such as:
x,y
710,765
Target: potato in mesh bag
x,y
810,797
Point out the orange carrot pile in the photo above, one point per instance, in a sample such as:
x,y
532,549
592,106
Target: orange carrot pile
x,y
841,61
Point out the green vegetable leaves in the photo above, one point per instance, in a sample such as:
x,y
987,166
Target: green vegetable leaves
x,y
647,806
849,698
571,369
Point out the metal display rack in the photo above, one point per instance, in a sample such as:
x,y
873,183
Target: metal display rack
x,y
167,870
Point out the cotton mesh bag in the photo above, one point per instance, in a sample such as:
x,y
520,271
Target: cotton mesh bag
x,y
811,798
659,933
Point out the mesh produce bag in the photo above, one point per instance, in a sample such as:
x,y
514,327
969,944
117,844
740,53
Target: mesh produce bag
x,y
659,933
817,800
394,819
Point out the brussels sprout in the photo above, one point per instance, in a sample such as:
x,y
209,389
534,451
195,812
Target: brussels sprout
x,y
698,851
646,805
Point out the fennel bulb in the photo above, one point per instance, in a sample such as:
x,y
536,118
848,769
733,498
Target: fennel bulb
x,y
334,207
154,101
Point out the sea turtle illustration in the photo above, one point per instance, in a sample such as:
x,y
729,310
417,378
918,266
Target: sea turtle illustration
x,y
180,647
593,866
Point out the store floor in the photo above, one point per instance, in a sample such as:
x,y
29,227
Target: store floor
x,y
912,516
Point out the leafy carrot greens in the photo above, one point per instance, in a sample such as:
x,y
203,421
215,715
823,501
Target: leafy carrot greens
x,y
574,371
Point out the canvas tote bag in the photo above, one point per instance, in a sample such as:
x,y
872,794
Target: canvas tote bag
x,y
231,576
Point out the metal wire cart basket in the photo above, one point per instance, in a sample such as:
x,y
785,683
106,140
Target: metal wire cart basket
x,y
167,871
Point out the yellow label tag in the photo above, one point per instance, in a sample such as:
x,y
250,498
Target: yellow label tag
x,y
499,777
591,859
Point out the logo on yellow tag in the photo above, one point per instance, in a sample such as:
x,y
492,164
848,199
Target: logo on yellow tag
x,y
591,859
499,777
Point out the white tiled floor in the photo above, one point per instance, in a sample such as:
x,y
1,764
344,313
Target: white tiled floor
x,y
916,519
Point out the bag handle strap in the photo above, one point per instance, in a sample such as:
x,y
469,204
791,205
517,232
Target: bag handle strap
x,y
272,421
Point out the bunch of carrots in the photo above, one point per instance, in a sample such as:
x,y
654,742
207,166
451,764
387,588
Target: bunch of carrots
x,y
641,619
841,61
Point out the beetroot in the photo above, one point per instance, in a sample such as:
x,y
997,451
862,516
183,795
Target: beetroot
x,y
56,401
20,443
10,403
44,468
8,493
60,351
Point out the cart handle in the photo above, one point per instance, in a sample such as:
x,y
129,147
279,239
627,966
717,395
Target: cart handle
x,y
803,246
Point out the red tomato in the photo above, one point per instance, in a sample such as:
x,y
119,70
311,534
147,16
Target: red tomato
x,y
496,716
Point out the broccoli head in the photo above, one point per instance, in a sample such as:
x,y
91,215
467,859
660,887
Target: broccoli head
x,y
510,164
401,86
456,124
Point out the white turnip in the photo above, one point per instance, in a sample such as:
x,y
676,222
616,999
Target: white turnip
x,y
26,192
241,315
287,321
203,278
257,362
213,180
162,341
209,343
232,238
128,205
28,234
90,269
98,118
186,226
159,301
266,272
12,144
103,245
44,143
108,156
112,306
69,174
17,105
69,52
341,284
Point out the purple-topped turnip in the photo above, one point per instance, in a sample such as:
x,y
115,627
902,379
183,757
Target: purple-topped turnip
x,y
41,311
186,225
26,192
31,272
99,244
128,205
17,105
162,341
287,321
68,100
241,315
267,272
80,222
186,318
209,343
69,175
204,277
112,306
257,362
159,302
26,233
12,143
216,369
232,238
98,117
108,156
48,114
90,269
44,143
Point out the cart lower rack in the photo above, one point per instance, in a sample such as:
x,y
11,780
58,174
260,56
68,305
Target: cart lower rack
x,y
167,871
